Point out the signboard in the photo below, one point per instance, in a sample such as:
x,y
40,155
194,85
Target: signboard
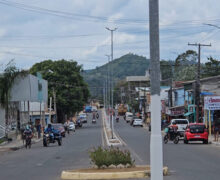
x,y
212,103
176,111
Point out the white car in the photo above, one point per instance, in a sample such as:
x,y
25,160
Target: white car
x,y
72,126
83,117
94,109
138,122
181,123
128,116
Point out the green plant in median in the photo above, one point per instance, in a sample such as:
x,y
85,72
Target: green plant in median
x,y
108,156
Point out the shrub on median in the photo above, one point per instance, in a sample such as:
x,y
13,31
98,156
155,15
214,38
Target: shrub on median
x,y
108,156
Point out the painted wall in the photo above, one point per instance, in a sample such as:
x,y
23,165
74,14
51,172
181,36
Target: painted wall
x,y
26,89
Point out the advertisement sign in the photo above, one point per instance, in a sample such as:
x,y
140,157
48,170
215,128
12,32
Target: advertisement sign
x,y
212,103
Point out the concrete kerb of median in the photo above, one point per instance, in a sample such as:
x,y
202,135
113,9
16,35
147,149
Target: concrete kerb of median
x,y
109,175
109,141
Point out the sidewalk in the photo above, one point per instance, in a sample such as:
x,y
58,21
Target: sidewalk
x,y
16,144
211,140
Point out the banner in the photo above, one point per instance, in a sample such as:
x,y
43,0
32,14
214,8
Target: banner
x,y
212,103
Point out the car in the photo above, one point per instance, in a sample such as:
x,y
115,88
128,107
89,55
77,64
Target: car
x,y
138,122
196,132
60,127
83,117
94,109
128,116
72,126
181,123
88,109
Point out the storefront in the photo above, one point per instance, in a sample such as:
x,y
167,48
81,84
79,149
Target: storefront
x,y
176,112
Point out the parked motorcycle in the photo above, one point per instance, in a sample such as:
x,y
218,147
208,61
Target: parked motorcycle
x,y
52,138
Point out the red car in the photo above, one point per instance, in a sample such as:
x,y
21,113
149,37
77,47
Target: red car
x,y
196,132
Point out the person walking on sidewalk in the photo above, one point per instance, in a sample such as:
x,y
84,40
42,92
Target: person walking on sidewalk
x,y
216,132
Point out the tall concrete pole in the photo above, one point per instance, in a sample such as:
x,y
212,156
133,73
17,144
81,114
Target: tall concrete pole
x,y
156,152
112,30
197,87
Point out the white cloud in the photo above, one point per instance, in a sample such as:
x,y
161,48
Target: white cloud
x,y
181,22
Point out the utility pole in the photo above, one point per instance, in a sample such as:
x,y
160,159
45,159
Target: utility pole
x,y
112,30
55,106
156,152
108,82
197,87
50,110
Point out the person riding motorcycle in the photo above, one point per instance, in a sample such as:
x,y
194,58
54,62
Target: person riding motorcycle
x,y
50,130
172,129
27,136
27,132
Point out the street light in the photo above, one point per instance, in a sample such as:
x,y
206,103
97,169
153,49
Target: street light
x,y
112,30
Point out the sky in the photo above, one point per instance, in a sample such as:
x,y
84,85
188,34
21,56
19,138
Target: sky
x,y
35,30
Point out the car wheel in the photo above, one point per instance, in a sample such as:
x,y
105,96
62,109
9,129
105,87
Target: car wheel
x,y
205,141
165,139
186,141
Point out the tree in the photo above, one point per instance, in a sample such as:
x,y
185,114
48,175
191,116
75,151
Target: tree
x,y
185,66
211,68
64,77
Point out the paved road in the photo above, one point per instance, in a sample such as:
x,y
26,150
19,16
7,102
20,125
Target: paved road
x,y
186,162
46,163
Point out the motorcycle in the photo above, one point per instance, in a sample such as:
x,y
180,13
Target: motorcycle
x,y
28,141
117,119
172,136
93,121
52,138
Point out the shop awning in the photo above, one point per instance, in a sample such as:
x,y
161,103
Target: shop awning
x,y
188,113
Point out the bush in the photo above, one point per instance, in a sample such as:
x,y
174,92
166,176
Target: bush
x,y
107,156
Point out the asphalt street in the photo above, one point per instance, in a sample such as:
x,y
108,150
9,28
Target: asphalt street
x,y
47,163
194,161
186,162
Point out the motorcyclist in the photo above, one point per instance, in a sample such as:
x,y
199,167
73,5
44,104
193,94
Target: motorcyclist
x,y
117,119
50,130
27,132
172,129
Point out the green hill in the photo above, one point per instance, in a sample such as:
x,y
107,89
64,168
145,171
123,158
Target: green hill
x,y
127,65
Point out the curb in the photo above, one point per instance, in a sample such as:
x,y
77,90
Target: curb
x,y
108,141
109,175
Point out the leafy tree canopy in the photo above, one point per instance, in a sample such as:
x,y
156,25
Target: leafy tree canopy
x,y
64,77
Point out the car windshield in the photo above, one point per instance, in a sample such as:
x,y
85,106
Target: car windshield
x,y
197,128
181,122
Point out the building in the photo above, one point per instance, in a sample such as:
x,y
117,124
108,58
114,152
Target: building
x,y
24,91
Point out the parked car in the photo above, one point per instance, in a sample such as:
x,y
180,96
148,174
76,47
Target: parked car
x,y
196,132
83,117
72,126
60,127
128,116
181,123
138,122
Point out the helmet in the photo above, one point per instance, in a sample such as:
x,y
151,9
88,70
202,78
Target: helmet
x,y
49,126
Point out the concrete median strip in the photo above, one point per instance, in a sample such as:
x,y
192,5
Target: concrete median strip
x,y
137,172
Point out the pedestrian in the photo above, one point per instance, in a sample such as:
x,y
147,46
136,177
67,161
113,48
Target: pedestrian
x,y
216,131
39,130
